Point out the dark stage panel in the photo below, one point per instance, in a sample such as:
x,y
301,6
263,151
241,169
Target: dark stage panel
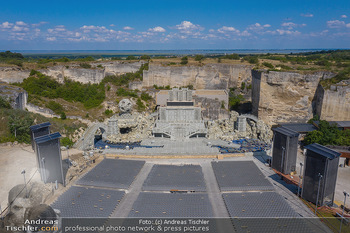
x,y
266,212
149,204
240,176
172,177
112,173
87,202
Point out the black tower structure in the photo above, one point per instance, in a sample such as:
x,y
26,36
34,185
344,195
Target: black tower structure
x,y
48,151
285,148
39,130
320,174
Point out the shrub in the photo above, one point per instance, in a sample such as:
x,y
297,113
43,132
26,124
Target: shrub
x,y
85,65
268,65
55,107
108,112
66,142
4,103
184,60
145,96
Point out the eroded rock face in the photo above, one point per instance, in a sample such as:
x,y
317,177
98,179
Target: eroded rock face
x,y
136,127
125,106
226,129
284,96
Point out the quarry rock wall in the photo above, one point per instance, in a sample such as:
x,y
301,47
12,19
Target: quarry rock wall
x,y
74,72
333,104
210,76
13,74
285,96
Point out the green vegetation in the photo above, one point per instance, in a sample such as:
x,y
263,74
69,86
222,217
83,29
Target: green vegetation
x,y
55,107
184,60
343,75
198,57
12,58
268,65
242,86
328,134
145,57
91,95
19,124
140,106
125,79
66,142
4,103
85,65
100,66
234,100
251,59
123,92
131,57
167,87
108,112
145,96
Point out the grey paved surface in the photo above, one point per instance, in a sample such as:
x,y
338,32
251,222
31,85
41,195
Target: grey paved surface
x,y
240,176
112,173
168,177
87,202
171,205
132,194
257,204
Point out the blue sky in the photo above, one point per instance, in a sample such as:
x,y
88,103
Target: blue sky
x,y
167,24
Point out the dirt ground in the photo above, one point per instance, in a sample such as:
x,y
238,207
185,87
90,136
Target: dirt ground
x,y
15,159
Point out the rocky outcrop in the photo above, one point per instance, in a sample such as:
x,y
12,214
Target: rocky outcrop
x,y
284,96
333,104
74,72
226,129
16,96
210,76
13,74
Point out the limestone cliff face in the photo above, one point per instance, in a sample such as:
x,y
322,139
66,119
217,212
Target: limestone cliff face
x,y
333,104
211,76
13,74
284,96
73,72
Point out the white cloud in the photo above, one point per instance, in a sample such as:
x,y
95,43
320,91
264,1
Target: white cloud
x,y
258,27
226,29
343,16
51,38
291,25
112,25
189,28
308,15
335,24
128,28
21,23
156,29
6,25
287,32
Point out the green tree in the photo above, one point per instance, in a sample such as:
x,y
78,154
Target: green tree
x,y
4,103
19,124
184,60
131,57
199,57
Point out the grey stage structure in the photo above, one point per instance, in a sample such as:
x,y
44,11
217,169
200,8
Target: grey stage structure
x,y
180,119
48,151
285,148
324,161
39,130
